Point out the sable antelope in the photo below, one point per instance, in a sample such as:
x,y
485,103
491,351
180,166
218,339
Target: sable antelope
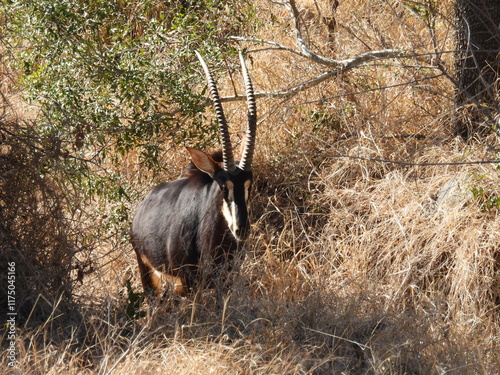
x,y
196,222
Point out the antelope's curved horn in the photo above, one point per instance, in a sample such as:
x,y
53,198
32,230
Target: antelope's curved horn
x,y
248,144
227,150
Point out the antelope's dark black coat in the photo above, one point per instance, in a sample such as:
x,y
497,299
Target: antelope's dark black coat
x,y
180,225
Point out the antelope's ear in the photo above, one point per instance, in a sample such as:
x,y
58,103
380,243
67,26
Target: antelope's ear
x,y
203,162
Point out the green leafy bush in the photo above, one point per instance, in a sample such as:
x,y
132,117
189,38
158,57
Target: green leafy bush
x,y
115,73
107,78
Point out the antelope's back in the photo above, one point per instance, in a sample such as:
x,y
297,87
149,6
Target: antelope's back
x,y
178,222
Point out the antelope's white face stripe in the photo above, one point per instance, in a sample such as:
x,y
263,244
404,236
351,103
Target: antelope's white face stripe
x,y
229,210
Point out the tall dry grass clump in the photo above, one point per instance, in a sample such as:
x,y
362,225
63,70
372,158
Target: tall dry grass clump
x,y
374,248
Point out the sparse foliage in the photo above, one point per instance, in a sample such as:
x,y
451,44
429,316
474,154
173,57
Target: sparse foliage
x,y
135,302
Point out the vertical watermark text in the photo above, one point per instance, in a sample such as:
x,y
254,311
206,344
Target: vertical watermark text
x,y
11,314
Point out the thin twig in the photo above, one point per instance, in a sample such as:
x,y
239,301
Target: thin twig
x,y
361,346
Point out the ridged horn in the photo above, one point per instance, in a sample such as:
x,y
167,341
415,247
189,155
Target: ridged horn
x,y
248,144
227,150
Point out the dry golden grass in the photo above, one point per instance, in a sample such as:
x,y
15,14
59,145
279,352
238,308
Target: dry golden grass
x,y
354,266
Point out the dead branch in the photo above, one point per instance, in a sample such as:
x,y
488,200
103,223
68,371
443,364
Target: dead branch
x,y
304,51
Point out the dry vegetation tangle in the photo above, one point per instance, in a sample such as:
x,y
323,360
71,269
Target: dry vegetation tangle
x,y
354,266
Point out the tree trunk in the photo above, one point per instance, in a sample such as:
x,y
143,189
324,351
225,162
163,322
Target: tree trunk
x,y
477,66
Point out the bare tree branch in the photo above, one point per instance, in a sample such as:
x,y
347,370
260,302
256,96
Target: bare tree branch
x,y
308,55
303,51
306,52
343,65
294,13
